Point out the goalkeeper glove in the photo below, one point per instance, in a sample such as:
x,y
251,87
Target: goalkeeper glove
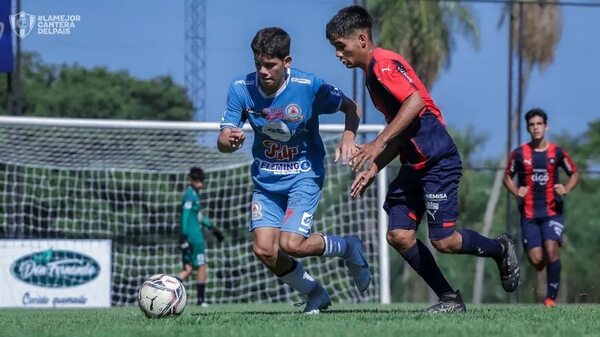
x,y
218,234
184,244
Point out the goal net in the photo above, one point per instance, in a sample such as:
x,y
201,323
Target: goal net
x,y
123,181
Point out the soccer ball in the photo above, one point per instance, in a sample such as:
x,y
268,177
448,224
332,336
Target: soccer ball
x,y
162,296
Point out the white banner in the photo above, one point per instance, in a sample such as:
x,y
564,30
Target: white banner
x,y
55,273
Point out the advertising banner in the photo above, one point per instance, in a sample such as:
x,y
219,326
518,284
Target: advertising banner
x,y
55,273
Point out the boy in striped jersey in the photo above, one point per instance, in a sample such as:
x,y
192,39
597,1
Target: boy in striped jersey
x,y
539,194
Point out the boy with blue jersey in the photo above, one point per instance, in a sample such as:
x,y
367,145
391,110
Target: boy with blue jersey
x,y
427,183
192,242
283,106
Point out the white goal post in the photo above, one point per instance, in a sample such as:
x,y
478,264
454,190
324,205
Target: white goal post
x,y
123,180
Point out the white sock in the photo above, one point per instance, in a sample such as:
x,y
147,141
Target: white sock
x,y
299,279
334,245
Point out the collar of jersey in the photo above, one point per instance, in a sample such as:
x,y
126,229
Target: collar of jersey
x,y
276,93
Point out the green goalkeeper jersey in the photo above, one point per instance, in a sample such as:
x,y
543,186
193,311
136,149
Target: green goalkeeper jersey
x,y
191,216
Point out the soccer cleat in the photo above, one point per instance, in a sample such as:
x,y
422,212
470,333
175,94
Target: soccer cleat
x,y
449,303
318,300
357,264
549,303
508,264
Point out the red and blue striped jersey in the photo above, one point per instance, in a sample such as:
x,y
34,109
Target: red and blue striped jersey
x,y
391,80
538,170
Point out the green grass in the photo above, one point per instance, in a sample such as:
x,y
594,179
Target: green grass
x,y
283,320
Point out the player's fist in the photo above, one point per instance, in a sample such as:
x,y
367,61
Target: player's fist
x,y
218,234
522,191
184,244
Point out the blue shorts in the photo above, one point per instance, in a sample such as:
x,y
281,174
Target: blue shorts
x,y
292,212
432,191
535,231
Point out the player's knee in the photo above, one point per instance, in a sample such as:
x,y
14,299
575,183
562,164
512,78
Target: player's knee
x,y
265,254
401,240
537,262
292,248
444,245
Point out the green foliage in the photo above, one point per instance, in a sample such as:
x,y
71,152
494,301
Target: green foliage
x,y
77,92
423,31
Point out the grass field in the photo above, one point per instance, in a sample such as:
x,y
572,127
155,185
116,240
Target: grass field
x,y
286,321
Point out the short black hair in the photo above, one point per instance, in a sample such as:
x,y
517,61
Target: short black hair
x,y
271,42
347,20
196,173
536,112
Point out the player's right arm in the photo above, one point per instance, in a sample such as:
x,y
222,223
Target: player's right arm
x,y
231,137
509,173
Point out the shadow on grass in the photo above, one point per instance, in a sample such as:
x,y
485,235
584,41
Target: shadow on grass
x,y
326,312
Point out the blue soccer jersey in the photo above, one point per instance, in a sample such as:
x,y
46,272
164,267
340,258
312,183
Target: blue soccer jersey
x,y
287,146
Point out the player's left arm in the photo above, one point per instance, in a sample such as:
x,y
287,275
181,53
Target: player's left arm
x,y
569,167
393,76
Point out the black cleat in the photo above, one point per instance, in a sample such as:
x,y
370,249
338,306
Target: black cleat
x,y
508,264
449,303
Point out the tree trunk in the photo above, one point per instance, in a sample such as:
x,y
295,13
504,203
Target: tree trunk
x,y
488,220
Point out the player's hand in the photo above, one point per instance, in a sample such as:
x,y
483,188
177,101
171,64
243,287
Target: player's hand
x,y
522,191
184,244
363,180
347,148
367,154
560,189
218,234
236,138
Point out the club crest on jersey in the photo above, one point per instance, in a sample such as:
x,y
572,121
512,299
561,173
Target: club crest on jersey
x,y
256,210
552,160
293,113
277,130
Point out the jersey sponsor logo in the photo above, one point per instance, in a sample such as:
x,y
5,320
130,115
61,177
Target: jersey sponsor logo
x,y
277,130
293,113
256,209
293,167
243,82
540,178
300,80
436,196
279,151
187,205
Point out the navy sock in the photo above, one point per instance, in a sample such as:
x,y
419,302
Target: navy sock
x,y
420,259
553,277
476,244
200,287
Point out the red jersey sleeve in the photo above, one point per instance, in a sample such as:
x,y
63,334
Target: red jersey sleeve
x,y
511,166
393,75
567,163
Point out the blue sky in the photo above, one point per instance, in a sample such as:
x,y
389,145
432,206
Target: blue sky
x,y
146,38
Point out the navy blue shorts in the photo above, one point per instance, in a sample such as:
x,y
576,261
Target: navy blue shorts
x,y
535,231
432,191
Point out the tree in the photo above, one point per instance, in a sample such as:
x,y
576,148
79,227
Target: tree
x,y
77,92
423,32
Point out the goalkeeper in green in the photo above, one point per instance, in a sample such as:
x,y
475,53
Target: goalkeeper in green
x,y
192,242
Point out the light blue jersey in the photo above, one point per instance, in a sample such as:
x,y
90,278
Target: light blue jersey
x,y
287,146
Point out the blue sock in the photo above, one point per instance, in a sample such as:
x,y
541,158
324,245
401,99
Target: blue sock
x,y
476,244
298,278
334,245
553,277
420,259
